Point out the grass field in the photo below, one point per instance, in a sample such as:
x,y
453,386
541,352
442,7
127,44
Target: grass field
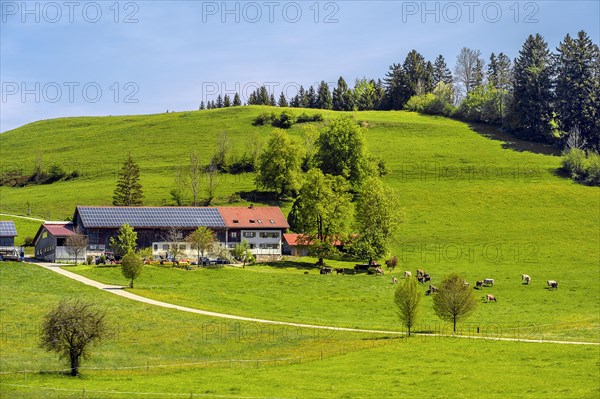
x,y
353,365
364,301
473,201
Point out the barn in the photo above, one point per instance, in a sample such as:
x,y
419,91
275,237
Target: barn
x,y
160,227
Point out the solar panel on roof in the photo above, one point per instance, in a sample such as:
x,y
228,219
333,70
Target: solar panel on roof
x,y
150,217
7,229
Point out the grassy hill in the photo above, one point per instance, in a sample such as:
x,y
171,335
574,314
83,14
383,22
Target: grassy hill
x,y
474,202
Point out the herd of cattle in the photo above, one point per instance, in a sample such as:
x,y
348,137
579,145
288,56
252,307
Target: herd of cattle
x,y
423,277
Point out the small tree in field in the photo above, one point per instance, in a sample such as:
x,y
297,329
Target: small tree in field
x,y
70,329
125,242
75,244
242,252
202,240
131,267
454,300
408,298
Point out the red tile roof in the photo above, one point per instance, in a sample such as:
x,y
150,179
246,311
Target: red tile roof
x,y
253,217
292,240
59,229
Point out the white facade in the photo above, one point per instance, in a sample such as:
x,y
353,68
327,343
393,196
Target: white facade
x,y
263,242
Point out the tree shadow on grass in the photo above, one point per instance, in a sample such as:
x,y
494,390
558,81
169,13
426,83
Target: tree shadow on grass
x,y
262,197
287,264
512,142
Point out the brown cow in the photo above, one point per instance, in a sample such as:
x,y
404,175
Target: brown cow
x,y
490,298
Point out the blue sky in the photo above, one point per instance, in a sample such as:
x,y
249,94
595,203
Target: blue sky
x,y
137,57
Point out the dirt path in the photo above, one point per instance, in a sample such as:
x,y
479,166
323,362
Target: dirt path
x,y
22,217
119,290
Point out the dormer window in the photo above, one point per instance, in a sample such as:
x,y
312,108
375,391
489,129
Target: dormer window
x,y
272,221
259,221
236,221
252,221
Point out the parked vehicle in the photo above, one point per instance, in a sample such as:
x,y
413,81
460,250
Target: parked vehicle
x,y
221,261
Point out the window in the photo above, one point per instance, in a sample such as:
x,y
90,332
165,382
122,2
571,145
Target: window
x,y
156,247
249,234
265,234
182,247
252,220
231,245
269,246
252,246
165,247
234,234
272,221
236,221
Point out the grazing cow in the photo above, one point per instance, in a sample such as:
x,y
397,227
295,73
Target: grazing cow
x,y
490,298
420,272
488,281
465,283
305,272
326,270
433,288
479,284
339,271
423,279
525,279
378,270
552,284
407,274
394,280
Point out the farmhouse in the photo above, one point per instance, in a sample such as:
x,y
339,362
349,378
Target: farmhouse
x,y
298,244
8,232
160,227
50,239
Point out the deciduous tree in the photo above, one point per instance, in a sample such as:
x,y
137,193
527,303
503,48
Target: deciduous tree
x,y
202,240
71,329
131,267
454,300
408,299
279,165
76,243
125,242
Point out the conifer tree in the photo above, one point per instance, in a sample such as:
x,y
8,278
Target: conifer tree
x,y
282,101
129,190
236,100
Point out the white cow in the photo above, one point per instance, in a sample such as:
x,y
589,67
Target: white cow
x,y
488,281
552,284
407,274
525,278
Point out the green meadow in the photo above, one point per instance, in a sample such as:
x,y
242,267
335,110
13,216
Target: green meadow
x,y
474,201
156,353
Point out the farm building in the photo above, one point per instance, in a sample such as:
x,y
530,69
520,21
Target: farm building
x,y
8,232
295,245
160,227
49,241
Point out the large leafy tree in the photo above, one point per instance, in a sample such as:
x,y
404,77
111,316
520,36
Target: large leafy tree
x,y
408,299
129,190
70,329
377,219
279,165
578,87
341,151
322,212
532,106
125,242
454,300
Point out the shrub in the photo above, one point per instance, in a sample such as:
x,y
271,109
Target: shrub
x,y
266,118
89,260
304,118
574,163
285,121
592,169
55,173
28,242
